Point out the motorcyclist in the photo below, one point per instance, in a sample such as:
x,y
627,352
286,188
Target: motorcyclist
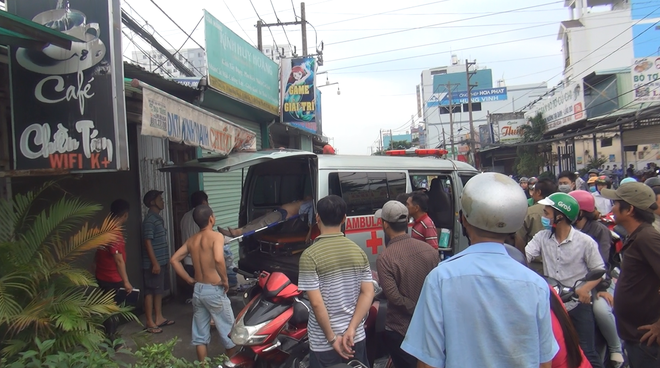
x,y
588,223
568,255
603,205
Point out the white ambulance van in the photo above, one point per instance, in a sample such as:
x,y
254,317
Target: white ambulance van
x,y
275,177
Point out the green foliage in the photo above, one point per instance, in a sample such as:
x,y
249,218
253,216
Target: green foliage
x,y
105,355
594,163
42,296
400,145
529,160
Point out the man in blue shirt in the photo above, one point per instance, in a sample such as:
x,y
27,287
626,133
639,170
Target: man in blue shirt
x,y
481,308
155,261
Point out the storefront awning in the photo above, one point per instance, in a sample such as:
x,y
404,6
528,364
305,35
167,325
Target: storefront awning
x,y
167,116
20,32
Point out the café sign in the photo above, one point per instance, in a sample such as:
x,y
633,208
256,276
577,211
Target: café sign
x,y
68,109
562,108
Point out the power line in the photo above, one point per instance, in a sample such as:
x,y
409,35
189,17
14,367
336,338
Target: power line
x,y
382,13
294,10
176,24
440,42
443,23
278,21
146,53
239,24
269,30
454,50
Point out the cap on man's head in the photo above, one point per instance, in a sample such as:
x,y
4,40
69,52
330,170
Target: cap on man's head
x,y
636,194
151,196
523,180
393,211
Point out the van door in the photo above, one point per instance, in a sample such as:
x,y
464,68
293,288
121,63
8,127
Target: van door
x,y
235,161
364,192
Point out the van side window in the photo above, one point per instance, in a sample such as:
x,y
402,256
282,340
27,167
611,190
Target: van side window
x,y
465,178
275,190
365,193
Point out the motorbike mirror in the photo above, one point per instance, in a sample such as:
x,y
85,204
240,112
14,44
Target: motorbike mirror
x,y
377,288
594,275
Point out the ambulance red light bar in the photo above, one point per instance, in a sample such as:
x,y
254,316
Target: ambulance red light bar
x,y
417,152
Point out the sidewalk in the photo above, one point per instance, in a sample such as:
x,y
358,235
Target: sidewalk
x,y
176,310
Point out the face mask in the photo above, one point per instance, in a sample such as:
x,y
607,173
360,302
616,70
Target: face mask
x,y
547,224
566,188
593,189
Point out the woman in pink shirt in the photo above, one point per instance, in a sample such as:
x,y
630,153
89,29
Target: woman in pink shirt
x,y
570,354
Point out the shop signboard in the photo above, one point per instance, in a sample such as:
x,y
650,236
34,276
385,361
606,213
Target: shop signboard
x,y
461,97
68,109
510,131
484,135
238,69
645,74
168,117
298,84
562,108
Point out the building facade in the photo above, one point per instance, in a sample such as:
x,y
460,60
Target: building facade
x,y
447,119
155,62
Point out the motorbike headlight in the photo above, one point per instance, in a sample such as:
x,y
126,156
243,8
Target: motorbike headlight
x,y
247,335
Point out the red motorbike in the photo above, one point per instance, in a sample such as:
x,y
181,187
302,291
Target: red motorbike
x,y
272,328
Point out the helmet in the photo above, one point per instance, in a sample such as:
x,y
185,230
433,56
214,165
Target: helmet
x,y
629,180
533,180
594,171
494,202
603,180
563,203
584,199
523,180
592,180
653,182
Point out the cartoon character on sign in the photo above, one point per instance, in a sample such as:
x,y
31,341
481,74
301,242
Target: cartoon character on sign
x,y
299,100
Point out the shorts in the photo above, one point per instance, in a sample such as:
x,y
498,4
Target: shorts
x,y
157,284
210,301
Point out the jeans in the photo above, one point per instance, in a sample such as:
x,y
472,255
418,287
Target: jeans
x,y
606,322
400,358
323,359
582,317
210,301
642,356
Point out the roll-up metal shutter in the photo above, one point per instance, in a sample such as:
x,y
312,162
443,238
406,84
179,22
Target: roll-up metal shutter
x,y
224,190
641,136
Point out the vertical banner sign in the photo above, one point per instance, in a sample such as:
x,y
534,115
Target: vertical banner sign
x,y
298,79
68,106
645,75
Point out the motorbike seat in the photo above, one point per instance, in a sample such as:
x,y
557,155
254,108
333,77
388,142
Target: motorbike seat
x,y
300,312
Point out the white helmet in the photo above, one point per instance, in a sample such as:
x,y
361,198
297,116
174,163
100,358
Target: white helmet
x,y
494,202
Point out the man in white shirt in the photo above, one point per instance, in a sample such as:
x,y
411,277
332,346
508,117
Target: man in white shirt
x,y
190,228
568,255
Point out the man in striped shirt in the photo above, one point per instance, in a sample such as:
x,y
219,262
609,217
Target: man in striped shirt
x,y
336,275
424,228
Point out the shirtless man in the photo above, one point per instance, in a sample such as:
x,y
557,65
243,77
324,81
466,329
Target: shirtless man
x,y
211,284
283,213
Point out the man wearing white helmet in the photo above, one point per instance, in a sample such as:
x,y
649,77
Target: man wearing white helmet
x,y
481,308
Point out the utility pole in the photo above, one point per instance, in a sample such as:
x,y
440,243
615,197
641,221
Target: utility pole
x,y
469,75
451,117
380,137
303,25
260,43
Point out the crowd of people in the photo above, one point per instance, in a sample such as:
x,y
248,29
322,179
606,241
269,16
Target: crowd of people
x,y
483,307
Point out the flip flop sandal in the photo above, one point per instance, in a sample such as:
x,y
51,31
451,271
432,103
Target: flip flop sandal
x,y
153,330
166,323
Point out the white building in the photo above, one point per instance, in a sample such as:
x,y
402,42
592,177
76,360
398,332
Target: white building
x,y
597,36
487,98
194,59
277,52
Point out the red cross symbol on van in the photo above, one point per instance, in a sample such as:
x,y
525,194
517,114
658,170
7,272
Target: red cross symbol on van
x,y
374,242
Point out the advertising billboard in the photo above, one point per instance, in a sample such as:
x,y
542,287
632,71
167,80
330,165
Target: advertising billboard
x,y
461,97
298,79
645,76
562,108
68,107
239,70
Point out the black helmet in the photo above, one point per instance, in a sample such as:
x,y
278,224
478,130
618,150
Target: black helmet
x,y
594,171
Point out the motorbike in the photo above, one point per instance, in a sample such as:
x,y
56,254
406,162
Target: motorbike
x,y
271,330
567,293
